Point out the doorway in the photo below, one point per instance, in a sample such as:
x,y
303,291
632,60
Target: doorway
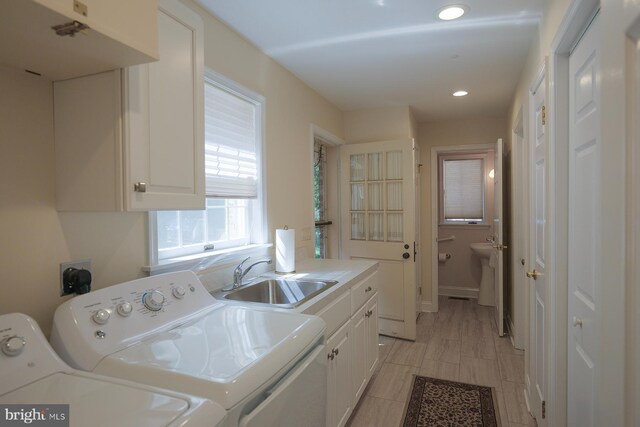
x,y
466,216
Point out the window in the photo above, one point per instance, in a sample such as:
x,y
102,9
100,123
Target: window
x,y
462,189
320,197
233,140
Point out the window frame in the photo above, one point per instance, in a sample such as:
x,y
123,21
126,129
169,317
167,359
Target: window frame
x,y
259,235
485,189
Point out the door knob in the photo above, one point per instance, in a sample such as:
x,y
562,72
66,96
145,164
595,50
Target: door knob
x,y
406,255
533,274
577,321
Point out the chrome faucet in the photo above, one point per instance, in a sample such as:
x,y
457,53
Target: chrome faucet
x,y
239,273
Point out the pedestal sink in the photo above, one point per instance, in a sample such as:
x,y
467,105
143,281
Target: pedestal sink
x,y
486,295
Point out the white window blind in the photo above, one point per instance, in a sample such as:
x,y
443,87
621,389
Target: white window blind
x,y
231,167
463,190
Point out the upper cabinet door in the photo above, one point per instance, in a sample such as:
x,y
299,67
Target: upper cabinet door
x,y
120,33
163,120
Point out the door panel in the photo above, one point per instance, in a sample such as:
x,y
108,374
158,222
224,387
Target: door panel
x,y
378,223
584,227
498,222
537,372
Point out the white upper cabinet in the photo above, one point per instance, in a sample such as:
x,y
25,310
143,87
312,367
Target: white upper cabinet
x,y
164,117
133,139
120,33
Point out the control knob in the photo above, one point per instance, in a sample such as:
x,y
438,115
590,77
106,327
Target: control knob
x,y
124,309
101,316
153,300
13,345
178,292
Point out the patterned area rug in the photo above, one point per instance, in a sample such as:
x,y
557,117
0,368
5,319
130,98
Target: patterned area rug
x,y
441,403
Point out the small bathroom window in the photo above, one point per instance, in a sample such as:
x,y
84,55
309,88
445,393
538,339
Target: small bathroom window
x,y
462,189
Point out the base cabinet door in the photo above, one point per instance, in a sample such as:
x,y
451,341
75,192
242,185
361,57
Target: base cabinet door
x,y
372,348
359,350
339,406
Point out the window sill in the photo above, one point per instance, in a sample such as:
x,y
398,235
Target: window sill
x,y
205,260
469,226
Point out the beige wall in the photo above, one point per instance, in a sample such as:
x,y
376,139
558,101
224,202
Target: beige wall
x,y
446,133
379,124
36,238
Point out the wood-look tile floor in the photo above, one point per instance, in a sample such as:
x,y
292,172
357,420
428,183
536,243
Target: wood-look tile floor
x,y
458,343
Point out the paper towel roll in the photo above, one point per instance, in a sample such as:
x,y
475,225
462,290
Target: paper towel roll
x,y
443,257
285,250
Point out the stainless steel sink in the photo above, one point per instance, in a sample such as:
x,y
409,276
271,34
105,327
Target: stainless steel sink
x,y
284,293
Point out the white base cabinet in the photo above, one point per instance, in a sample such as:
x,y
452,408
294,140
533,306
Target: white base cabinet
x,y
352,347
133,139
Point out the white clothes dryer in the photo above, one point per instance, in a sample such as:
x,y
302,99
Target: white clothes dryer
x,y
265,367
34,381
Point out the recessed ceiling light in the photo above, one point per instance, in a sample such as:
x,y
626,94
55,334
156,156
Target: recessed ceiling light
x,y
460,93
448,13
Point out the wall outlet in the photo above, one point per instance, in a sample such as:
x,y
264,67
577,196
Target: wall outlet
x,y
80,265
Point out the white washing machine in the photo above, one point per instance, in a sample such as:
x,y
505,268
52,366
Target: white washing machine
x,y
32,375
266,368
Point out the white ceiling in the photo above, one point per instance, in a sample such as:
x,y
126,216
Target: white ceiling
x,y
382,53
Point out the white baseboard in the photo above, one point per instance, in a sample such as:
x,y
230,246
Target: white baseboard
x,y
453,291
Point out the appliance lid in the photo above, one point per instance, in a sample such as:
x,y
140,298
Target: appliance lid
x,y
224,356
100,403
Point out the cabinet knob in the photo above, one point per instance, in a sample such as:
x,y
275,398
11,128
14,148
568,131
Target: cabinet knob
x,y
331,355
335,351
140,187
369,289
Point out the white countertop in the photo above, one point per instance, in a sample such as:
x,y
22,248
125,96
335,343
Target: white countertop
x,y
346,272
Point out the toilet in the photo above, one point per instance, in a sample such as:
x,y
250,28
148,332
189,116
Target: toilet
x,y
486,296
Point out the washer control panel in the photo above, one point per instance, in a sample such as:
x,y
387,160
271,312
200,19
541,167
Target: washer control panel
x,y
109,319
25,354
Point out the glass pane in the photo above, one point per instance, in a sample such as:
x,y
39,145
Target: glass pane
x,y
394,196
357,197
357,226
376,227
237,222
357,167
375,196
167,229
211,202
375,166
217,224
394,232
192,227
394,165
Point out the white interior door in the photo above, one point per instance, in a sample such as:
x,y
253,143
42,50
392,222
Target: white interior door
x,y
378,223
498,246
536,384
584,258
